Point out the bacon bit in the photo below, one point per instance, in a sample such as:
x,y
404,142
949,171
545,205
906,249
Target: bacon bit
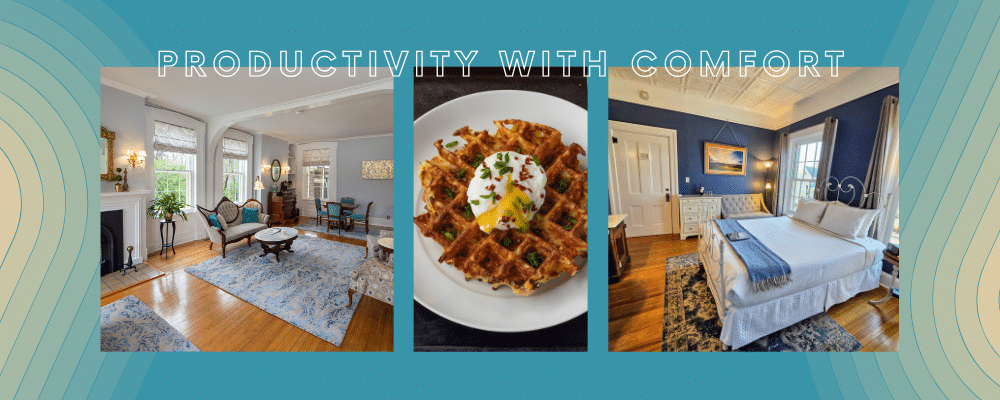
x,y
491,187
534,207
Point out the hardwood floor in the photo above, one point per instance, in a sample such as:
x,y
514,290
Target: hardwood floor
x,y
215,320
635,305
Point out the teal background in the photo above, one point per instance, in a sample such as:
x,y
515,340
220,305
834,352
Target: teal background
x,y
51,52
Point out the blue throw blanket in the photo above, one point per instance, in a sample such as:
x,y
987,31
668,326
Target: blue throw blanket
x,y
766,269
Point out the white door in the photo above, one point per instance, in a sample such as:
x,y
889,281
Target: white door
x,y
643,177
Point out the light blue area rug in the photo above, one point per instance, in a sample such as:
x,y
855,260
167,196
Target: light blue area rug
x,y
129,325
357,233
307,288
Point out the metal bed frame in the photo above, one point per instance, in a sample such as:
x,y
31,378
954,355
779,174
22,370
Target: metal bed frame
x,y
707,255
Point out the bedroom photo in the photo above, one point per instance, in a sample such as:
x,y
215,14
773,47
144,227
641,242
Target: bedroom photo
x,y
246,213
754,213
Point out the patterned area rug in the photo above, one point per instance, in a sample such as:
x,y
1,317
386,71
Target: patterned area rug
x,y
129,325
357,233
691,320
307,288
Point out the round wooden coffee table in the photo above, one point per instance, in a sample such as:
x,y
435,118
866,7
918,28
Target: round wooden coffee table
x,y
274,240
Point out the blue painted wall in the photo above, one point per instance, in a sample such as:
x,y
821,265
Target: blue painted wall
x,y
692,133
856,126
350,154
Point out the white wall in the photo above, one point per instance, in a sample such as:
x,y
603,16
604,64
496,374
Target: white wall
x,y
124,114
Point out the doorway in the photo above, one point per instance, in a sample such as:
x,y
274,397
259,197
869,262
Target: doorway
x,y
643,177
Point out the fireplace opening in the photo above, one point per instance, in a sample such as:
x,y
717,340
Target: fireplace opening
x,y
112,249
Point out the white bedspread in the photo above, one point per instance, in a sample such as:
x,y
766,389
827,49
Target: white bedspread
x,y
816,257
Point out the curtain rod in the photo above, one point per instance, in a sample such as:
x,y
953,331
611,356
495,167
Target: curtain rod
x,y
824,121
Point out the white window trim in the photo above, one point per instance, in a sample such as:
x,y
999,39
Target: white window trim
x,y
156,114
810,134
306,205
249,177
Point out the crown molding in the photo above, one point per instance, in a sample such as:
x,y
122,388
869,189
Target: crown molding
x,y
860,84
125,88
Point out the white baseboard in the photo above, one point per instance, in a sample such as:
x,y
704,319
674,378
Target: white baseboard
x,y
382,222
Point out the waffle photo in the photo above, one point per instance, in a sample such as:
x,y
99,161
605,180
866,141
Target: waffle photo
x,y
500,227
771,218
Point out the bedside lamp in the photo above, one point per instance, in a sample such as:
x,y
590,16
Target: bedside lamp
x,y
768,164
767,186
258,186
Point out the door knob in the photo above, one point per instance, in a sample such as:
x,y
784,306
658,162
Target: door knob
x,y
668,195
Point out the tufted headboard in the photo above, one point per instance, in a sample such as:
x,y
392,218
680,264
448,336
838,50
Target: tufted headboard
x,y
742,203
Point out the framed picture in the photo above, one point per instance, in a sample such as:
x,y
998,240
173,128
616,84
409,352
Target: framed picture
x,y
107,143
379,169
721,159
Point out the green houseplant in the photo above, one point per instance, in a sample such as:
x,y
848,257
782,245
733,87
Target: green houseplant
x,y
166,205
118,180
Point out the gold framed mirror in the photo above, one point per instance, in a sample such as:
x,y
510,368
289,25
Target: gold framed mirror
x,y
107,143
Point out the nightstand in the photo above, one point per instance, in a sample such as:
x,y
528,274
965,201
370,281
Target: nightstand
x,y
894,260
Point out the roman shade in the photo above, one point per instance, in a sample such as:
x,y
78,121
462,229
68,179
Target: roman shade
x,y
316,158
173,138
234,149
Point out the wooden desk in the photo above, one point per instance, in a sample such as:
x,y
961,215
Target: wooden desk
x,y
618,258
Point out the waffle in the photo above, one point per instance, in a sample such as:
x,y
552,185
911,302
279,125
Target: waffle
x,y
501,257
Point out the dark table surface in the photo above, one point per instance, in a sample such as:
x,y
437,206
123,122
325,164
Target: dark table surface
x,y
431,332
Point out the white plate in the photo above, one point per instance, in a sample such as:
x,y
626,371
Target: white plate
x,y
441,287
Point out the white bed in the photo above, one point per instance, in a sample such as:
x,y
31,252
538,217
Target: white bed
x,y
827,269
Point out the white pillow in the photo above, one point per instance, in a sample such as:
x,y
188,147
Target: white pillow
x,y
870,216
844,221
809,211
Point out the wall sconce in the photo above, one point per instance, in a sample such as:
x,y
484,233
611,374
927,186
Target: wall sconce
x,y
767,186
265,168
135,158
286,169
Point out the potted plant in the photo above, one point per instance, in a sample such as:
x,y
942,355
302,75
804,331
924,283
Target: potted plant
x,y
165,206
118,180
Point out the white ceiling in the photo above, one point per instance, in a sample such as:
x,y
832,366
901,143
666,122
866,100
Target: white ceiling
x,y
757,99
215,96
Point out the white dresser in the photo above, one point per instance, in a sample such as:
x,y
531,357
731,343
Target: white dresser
x,y
690,205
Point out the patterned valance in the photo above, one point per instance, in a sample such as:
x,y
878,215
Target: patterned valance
x,y
178,139
235,149
316,157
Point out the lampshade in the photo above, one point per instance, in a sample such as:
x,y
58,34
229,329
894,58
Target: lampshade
x,y
768,164
258,185
767,185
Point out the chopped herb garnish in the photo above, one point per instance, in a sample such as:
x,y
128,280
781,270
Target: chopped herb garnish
x,y
467,210
536,161
461,174
562,185
487,196
487,173
449,234
534,259
475,202
522,229
477,160
505,242
517,149
506,169
527,206
569,224
452,144
447,191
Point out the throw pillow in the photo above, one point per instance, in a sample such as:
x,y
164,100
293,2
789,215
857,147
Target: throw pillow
x,y
809,211
844,221
870,216
250,215
214,221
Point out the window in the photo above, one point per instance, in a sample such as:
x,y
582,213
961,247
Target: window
x,y
895,229
804,162
234,169
318,179
316,168
175,150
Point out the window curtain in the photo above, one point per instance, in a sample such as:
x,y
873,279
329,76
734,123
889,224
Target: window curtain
x,y
173,138
316,157
883,171
780,186
826,160
235,149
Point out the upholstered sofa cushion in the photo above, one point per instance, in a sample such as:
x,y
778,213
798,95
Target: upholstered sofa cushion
x,y
744,206
244,230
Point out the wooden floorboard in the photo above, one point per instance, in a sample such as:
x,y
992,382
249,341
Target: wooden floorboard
x,y
635,304
215,320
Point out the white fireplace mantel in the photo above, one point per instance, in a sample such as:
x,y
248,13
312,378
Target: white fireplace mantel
x,y
133,206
